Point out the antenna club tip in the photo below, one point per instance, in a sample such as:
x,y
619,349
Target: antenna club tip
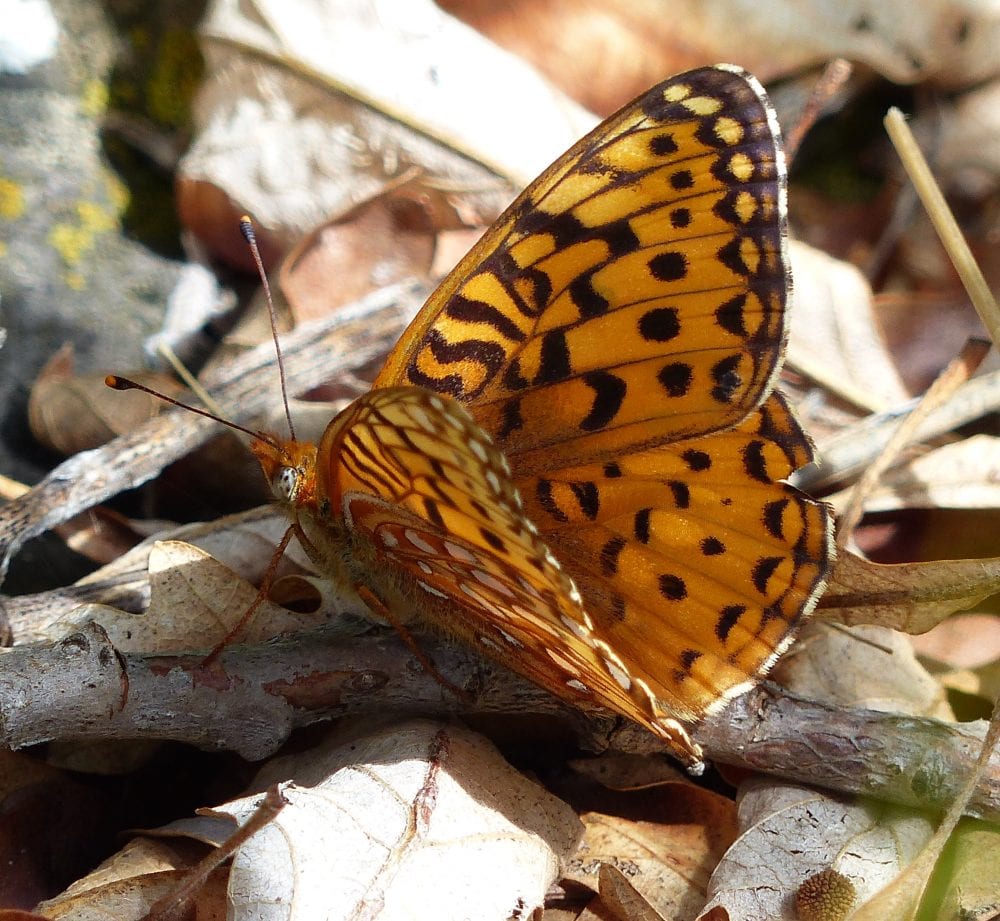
x,y
246,228
115,382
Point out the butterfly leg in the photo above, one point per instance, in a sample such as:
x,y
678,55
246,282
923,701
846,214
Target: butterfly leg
x,y
380,608
262,593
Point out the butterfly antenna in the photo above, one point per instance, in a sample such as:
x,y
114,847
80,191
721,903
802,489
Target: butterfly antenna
x,y
123,383
246,228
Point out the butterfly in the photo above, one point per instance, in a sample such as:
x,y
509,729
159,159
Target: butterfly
x,y
573,458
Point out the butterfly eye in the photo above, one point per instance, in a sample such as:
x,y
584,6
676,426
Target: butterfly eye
x,y
285,483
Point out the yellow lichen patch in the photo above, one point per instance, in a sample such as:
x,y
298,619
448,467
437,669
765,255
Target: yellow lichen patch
x,y
11,200
94,101
96,218
71,242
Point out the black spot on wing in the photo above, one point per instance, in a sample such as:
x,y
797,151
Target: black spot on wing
x,y
675,378
728,618
609,392
610,553
587,300
728,381
774,518
547,501
712,546
662,145
668,266
661,324
587,497
640,526
763,570
754,463
682,495
469,311
730,316
672,587
554,363
697,460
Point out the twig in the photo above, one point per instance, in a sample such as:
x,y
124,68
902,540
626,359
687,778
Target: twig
x,y
74,690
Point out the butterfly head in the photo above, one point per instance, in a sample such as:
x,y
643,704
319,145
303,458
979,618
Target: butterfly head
x,y
289,467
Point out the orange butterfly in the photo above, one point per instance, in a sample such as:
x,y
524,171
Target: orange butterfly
x,y
572,459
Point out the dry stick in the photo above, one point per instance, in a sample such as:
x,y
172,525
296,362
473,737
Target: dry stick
x,y
948,381
73,690
944,222
169,907
831,81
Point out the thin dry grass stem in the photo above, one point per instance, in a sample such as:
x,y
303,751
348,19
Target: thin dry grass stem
x,y
947,382
192,383
944,222
172,905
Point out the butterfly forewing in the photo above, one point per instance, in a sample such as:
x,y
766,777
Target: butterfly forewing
x,y
633,294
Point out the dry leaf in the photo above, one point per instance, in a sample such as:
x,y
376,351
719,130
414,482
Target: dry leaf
x,y
411,815
669,855
793,832
70,413
126,885
383,241
866,667
962,641
965,474
296,125
911,597
194,602
834,334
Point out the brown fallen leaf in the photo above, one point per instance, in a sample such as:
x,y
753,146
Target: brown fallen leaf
x,y
912,597
670,853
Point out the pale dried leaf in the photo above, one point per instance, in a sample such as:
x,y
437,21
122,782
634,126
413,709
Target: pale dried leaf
x,y
127,884
793,832
416,814
912,597
310,107
949,41
70,413
965,474
622,899
194,601
967,139
834,334
962,641
871,668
